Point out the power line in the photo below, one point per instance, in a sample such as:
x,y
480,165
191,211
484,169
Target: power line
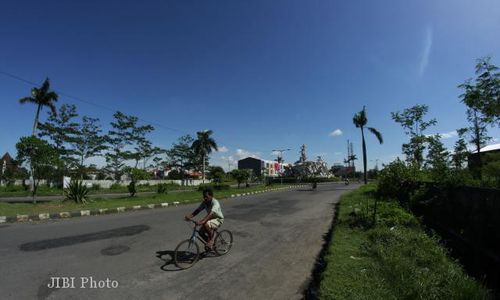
x,y
62,93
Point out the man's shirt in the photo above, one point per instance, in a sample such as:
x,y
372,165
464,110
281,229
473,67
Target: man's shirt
x,y
213,206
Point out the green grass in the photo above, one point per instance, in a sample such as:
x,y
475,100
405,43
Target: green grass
x,y
43,190
12,209
395,259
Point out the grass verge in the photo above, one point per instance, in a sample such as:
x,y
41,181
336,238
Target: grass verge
x,y
18,191
13,209
395,259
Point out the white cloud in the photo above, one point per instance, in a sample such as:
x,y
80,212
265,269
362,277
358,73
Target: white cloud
x,y
223,149
426,51
449,135
445,135
240,154
228,163
338,153
336,132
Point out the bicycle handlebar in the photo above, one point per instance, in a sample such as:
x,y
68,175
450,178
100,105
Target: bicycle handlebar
x,y
193,221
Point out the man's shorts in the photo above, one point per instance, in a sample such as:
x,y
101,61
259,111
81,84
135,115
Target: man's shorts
x,y
215,223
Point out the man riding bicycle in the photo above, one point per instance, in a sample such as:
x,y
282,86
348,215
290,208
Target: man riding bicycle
x,y
214,217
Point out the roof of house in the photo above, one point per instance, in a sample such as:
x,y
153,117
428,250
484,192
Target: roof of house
x,y
494,147
6,157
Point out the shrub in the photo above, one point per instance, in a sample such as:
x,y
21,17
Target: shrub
x,y
115,186
138,174
162,188
76,191
131,188
12,188
216,187
397,181
96,186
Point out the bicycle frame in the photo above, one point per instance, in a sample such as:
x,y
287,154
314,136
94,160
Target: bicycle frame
x,y
196,234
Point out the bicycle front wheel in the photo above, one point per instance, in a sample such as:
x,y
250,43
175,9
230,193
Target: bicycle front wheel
x,y
223,242
186,254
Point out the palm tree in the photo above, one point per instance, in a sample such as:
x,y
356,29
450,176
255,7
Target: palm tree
x,y
42,97
203,146
360,121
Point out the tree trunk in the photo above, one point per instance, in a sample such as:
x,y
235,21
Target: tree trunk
x,y
81,168
477,141
364,155
203,168
32,183
35,124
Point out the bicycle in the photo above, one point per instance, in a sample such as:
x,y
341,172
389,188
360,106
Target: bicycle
x,y
187,253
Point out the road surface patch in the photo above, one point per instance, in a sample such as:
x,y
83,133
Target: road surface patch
x,y
83,238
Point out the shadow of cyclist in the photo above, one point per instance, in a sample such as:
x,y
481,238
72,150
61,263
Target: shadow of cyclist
x,y
169,264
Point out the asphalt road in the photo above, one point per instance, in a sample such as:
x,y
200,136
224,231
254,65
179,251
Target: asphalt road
x,y
277,237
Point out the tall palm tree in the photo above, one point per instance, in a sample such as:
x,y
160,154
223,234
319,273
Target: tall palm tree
x,y
42,97
203,146
360,121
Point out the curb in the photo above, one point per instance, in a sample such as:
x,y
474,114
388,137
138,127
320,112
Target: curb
x,y
104,211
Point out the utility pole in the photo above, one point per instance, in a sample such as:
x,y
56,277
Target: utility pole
x,y
280,159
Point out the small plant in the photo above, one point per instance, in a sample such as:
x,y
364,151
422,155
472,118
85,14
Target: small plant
x,y
76,191
115,186
162,188
131,188
217,187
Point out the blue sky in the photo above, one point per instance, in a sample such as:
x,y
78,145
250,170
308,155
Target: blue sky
x,y
261,74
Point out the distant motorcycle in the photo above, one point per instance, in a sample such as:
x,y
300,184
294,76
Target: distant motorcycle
x,y
314,185
346,181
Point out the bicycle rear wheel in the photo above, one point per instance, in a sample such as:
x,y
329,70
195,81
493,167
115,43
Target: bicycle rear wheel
x,y
223,242
186,254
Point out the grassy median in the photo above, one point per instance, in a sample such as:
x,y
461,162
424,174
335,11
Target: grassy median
x,y
393,259
43,190
13,209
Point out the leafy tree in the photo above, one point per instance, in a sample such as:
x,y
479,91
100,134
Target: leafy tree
x,y
181,156
40,156
203,146
41,97
145,151
240,176
216,173
437,158
459,157
487,88
478,137
360,121
412,121
124,133
89,142
62,130
492,168
137,174
476,96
